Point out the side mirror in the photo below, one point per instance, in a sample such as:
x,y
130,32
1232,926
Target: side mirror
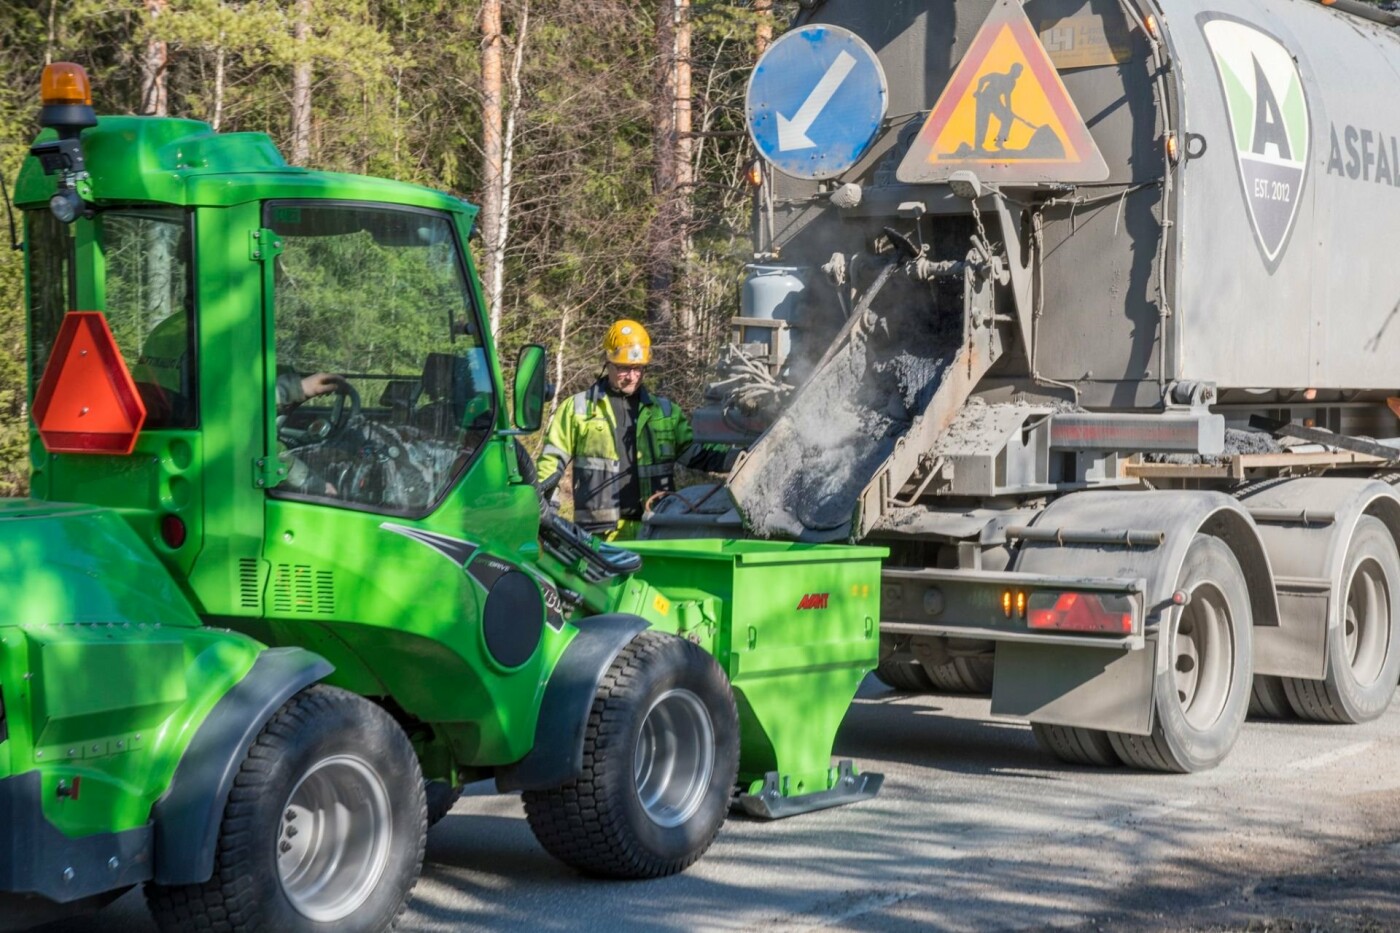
x,y
530,387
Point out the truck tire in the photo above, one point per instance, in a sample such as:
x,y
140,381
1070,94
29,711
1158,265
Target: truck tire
x,y
660,758
324,828
909,676
1203,695
441,797
963,675
1269,698
1363,652
1076,746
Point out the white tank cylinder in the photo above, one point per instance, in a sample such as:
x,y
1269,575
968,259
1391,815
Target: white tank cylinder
x,y
771,299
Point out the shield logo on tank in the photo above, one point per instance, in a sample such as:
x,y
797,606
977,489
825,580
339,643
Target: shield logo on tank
x,y
1269,125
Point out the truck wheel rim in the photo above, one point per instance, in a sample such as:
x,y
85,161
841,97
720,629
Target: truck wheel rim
x,y
1367,622
675,757
333,841
1203,650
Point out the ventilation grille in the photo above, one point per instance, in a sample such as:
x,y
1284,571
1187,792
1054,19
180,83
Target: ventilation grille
x,y
299,590
248,595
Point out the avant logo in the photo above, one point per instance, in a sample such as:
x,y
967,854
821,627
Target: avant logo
x,y
1269,124
814,601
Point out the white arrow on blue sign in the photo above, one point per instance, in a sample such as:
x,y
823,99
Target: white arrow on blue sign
x,y
815,101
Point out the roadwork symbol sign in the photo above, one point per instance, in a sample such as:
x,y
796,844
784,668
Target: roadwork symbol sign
x,y
1005,115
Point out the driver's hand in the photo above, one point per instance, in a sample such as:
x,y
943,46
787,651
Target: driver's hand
x,y
319,384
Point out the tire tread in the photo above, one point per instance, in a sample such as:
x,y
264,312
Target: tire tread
x,y
225,902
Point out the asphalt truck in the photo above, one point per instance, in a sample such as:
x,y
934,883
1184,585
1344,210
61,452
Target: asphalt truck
x,y
256,636
1086,310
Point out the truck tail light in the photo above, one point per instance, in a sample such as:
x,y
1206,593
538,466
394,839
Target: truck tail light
x,y
1081,612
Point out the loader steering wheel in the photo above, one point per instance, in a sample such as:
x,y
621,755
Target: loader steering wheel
x,y
344,409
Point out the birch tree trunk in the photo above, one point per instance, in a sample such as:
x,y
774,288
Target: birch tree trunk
x,y
496,282
220,64
154,93
492,149
301,85
685,176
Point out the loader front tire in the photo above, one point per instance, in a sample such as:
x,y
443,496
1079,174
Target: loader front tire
x,y
660,757
324,828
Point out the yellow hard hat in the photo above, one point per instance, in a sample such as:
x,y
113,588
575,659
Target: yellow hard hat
x,y
627,344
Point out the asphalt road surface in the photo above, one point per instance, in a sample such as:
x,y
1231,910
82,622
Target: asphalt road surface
x,y
1299,830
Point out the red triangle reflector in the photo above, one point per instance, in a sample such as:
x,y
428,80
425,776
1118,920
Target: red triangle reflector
x,y
87,402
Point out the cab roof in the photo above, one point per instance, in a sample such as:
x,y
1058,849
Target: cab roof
x,y
185,163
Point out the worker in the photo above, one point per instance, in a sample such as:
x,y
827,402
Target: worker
x,y
624,443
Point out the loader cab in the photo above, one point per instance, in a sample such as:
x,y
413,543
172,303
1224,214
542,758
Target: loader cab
x,y
228,279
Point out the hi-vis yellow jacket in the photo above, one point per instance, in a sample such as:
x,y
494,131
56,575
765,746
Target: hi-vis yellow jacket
x,y
584,432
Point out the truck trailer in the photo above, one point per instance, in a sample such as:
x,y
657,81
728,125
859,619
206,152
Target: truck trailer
x,y
1084,309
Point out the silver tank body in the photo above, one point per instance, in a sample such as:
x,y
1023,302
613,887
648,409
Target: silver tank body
x,y
1322,313
1292,285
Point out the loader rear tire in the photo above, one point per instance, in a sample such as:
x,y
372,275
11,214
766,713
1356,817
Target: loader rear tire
x,y
1363,652
909,676
1076,746
660,758
441,797
963,675
1202,697
324,827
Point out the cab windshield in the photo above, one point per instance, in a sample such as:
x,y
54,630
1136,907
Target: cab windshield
x,y
383,386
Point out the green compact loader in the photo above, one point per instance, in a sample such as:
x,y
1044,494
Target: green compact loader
x,y
285,585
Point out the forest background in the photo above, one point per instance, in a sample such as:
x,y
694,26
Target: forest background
x,y
603,139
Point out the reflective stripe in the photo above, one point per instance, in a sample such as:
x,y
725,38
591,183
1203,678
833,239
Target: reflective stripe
x,y
665,407
655,469
596,516
581,404
551,451
598,465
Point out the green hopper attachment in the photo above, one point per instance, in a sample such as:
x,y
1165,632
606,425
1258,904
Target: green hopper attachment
x,y
795,628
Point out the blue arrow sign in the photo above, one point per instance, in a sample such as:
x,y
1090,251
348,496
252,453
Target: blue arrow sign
x,y
815,101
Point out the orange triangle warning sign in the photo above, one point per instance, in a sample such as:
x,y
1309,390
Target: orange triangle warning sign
x,y
87,401
1005,115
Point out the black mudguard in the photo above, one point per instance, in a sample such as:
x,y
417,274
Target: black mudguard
x,y
188,815
557,755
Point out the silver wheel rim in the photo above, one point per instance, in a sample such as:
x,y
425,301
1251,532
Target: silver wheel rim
x,y
1366,624
1203,657
675,757
333,840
